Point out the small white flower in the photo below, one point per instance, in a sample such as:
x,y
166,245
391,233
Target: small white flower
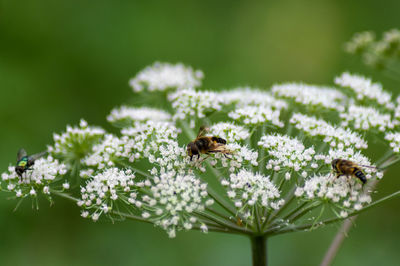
x,y
204,228
192,103
230,132
360,41
246,189
179,196
333,135
253,115
364,118
95,217
66,185
286,152
71,141
311,95
132,114
163,76
365,88
105,187
341,192
394,140
249,96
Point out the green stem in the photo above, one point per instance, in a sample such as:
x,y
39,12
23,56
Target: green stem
x,y
301,213
261,166
294,211
219,214
221,201
257,219
289,198
64,195
143,173
259,250
394,159
273,231
223,224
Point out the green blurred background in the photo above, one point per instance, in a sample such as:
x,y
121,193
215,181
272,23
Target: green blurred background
x,y
64,60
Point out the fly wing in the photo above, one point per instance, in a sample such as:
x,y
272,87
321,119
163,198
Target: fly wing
x,y
38,155
21,153
203,130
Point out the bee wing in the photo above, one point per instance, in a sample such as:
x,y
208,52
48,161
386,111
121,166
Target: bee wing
x,y
38,155
21,153
203,129
368,166
218,147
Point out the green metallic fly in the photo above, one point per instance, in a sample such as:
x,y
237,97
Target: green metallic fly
x,y
24,161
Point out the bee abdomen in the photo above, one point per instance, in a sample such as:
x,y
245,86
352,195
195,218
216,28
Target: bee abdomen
x,y
218,140
360,175
202,144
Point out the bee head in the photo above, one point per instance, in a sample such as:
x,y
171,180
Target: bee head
x,y
192,149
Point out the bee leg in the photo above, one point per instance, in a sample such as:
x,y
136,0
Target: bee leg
x,y
226,156
349,181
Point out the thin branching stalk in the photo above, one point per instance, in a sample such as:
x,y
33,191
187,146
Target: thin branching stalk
x,y
303,227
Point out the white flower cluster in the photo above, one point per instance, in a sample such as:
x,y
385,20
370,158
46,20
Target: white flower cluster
x,y
105,153
248,96
132,114
173,201
229,131
335,136
365,118
360,41
156,141
44,172
239,157
163,76
315,96
76,141
192,103
342,192
255,115
104,190
248,190
389,45
287,152
397,109
365,88
394,139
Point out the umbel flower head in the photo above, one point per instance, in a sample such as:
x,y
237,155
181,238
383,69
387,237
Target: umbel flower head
x,y
262,164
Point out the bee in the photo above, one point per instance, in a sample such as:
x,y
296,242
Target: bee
x,y
348,168
206,144
25,162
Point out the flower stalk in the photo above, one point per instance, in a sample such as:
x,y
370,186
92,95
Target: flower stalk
x,y
259,250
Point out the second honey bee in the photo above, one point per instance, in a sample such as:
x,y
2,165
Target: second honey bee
x,y
350,169
206,144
